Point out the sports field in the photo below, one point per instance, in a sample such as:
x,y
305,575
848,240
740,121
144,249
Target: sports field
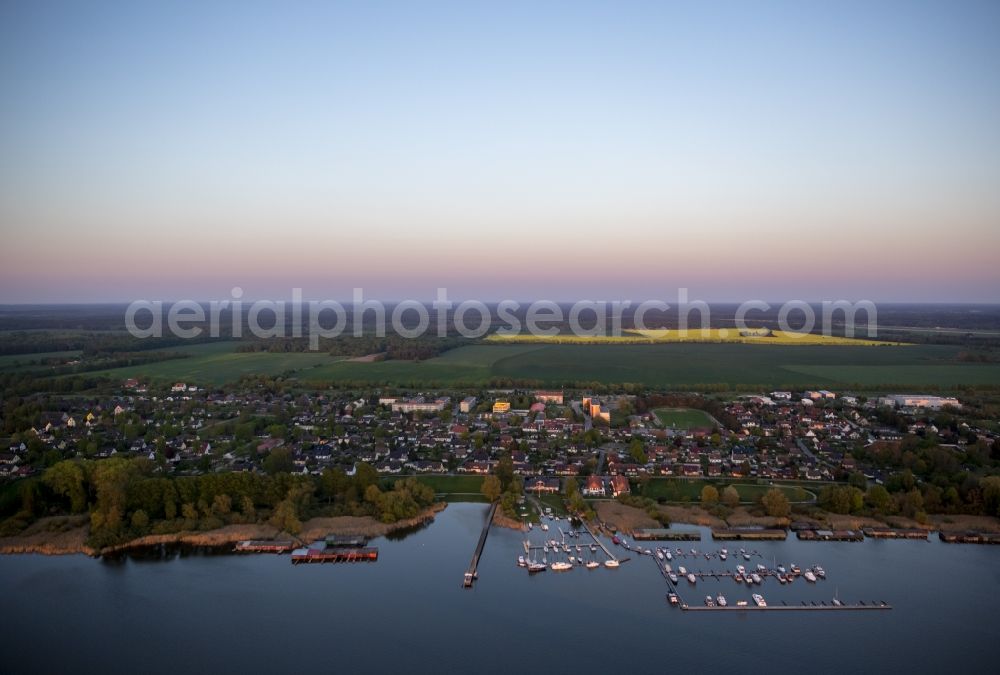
x,y
683,418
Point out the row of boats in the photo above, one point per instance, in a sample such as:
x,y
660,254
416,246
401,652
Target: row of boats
x,y
723,554
751,577
720,600
561,565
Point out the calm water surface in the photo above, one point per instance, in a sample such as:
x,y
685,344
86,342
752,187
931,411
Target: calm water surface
x,y
408,612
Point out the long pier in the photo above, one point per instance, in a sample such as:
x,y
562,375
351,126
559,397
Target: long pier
x,y
804,606
777,608
471,574
597,541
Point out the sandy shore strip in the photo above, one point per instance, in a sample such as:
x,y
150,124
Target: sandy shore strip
x,y
65,535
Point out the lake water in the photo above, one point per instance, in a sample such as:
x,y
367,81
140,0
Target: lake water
x,y
408,612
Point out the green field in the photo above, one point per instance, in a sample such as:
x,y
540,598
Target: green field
x,y
463,484
673,489
676,365
668,366
670,335
684,418
216,363
11,362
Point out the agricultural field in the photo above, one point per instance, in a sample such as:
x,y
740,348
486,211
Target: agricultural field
x,y
684,418
217,363
666,365
672,335
18,362
675,365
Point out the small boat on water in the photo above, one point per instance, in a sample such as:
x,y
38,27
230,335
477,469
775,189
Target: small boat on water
x,y
672,597
721,600
723,555
709,602
756,578
694,552
692,578
782,580
611,563
759,600
560,566
659,553
521,562
795,569
741,603
672,577
668,554
781,569
593,565
534,567
819,572
809,576
682,570
761,568
741,570
746,556
615,540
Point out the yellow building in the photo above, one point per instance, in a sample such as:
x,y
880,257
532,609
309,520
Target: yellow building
x,y
501,406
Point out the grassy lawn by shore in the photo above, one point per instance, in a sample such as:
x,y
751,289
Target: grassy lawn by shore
x,y
679,490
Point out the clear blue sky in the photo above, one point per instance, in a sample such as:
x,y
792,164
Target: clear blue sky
x,y
812,150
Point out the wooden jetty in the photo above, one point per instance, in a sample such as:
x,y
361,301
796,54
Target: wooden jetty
x,y
755,534
666,535
598,541
264,546
830,535
346,540
894,533
471,574
823,606
969,537
324,555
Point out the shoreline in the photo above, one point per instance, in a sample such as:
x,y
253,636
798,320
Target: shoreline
x,y
628,519
44,541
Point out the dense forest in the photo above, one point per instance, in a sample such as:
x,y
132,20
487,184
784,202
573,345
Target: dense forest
x,y
128,498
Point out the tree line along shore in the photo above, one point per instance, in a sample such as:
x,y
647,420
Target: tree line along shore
x,y
94,507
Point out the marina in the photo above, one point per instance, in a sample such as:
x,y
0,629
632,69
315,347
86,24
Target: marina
x,y
421,569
